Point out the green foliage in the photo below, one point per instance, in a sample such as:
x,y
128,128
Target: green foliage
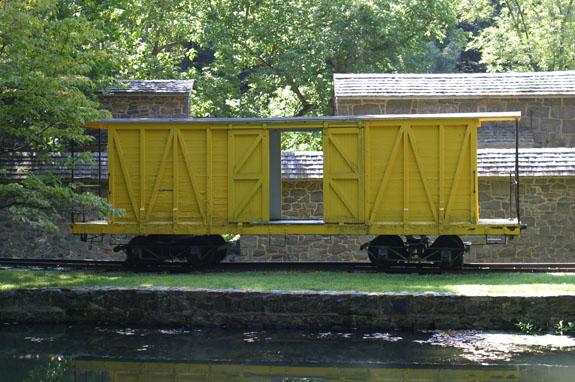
x,y
269,54
47,60
561,328
302,140
40,200
50,61
446,56
153,39
524,35
528,327
230,237
565,328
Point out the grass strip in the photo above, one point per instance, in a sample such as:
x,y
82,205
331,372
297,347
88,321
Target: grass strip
x,y
465,284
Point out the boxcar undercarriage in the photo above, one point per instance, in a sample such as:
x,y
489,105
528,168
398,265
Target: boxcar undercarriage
x,y
383,251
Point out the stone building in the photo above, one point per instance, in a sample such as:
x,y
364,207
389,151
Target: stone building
x,y
547,139
148,99
547,104
546,100
143,99
547,206
127,99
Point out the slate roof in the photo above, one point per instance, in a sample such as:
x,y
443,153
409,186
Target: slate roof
x,y
152,86
17,164
490,162
503,137
532,162
309,164
467,85
302,164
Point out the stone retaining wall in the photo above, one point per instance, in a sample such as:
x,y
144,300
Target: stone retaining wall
x,y
304,309
547,207
551,120
20,240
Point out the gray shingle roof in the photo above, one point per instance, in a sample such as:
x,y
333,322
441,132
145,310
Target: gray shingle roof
x,y
309,164
503,137
455,85
302,164
152,86
532,162
17,164
490,162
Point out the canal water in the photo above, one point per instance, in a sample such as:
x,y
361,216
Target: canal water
x,y
114,354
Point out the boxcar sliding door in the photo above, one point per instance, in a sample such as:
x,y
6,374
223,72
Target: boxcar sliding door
x,y
422,174
248,175
343,189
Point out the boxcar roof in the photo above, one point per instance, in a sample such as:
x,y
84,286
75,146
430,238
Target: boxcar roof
x,y
496,116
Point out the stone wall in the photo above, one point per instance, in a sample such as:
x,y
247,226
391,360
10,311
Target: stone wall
x,y
302,247
551,120
20,240
147,106
302,199
260,309
547,207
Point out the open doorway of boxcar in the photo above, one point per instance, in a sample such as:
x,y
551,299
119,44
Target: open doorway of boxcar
x,y
296,172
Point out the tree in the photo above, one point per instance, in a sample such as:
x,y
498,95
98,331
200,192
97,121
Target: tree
x,y
447,56
49,56
249,58
525,35
276,58
153,39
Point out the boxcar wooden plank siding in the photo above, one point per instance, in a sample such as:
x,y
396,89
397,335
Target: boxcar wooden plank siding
x,y
343,175
413,177
248,195
407,174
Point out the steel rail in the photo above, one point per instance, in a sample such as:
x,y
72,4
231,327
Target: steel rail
x,y
181,267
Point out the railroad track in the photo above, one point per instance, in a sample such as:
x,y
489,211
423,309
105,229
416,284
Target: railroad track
x,y
366,267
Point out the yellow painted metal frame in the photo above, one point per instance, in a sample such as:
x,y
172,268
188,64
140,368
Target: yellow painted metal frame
x,y
212,177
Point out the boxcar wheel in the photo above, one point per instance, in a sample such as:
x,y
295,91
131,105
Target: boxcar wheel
x,y
206,250
199,253
217,242
449,250
386,250
139,252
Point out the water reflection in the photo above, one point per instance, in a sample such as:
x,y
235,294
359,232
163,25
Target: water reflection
x,y
82,354
164,372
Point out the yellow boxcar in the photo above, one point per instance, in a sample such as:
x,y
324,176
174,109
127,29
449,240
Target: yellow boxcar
x,y
383,175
